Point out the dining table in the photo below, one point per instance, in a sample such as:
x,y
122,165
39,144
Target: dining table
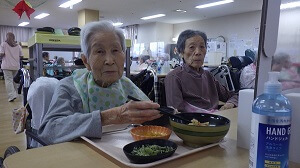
x,y
82,154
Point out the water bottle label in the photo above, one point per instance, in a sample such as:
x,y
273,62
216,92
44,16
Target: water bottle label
x,y
269,144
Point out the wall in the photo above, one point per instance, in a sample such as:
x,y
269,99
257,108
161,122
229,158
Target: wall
x,y
164,32
87,15
289,33
241,25
238,29
155,32
146,33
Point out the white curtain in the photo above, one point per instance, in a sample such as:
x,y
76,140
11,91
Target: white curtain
x,y
289,42
289,34
22,34
131,33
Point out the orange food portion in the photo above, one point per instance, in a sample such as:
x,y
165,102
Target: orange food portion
x,y
198,123
154,134
150,132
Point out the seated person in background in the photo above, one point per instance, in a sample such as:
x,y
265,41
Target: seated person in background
x,y
143,62
48,66
247,78
143,59
54,59
59,67
46,58
96,96
288,76
139,64
60,61
191,84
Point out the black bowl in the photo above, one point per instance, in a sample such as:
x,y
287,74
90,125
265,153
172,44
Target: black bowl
x,y
196,136
147,159
214,120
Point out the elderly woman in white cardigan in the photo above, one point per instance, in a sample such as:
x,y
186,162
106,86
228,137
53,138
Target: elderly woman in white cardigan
x,y
96,96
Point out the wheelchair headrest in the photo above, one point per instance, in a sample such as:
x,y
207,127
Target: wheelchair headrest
x,y
250,53
46,29
240,62
74,31
78,61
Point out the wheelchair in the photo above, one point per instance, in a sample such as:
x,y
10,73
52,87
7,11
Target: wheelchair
x,y
154,88
33,120
229,74
223,75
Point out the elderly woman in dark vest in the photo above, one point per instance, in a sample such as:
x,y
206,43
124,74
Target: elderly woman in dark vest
x,y
190,84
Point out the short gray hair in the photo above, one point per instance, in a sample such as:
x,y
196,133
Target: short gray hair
x,y
280,58
186,35
60,60
95,27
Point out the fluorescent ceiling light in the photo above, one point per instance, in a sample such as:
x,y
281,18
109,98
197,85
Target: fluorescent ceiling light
x,y
290,5
180,10
42,15
23,24
153,16
117,24
69,3
214,4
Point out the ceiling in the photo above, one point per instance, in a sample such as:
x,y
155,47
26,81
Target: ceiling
x,y
127,11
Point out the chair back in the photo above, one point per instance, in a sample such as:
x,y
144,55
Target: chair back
x,y
222,74
240,62
39,97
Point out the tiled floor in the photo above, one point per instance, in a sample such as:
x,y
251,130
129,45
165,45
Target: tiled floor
x,y
7,136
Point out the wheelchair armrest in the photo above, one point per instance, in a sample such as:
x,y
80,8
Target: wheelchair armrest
x,y
35,137
32,133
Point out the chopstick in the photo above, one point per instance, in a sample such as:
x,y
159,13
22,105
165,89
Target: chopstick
x,y
163,110
132,98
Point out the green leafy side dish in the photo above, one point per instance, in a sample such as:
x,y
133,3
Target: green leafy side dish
x,y
151,150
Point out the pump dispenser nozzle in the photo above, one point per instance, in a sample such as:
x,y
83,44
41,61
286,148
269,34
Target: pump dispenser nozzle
x,y
273,86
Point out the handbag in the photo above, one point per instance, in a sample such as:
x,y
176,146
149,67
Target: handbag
x,y
19,117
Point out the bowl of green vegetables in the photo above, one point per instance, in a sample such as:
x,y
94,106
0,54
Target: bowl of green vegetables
x,y
149,150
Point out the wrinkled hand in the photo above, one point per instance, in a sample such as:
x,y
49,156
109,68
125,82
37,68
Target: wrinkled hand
x,y
227,106
133,112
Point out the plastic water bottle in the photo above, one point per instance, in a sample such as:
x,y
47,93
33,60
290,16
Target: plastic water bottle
x,y
270,127
159,67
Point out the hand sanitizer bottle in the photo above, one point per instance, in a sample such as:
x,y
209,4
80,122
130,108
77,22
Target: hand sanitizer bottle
x,y
270,127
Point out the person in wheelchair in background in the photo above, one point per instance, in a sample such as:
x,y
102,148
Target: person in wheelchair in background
x,y
96,96
190,85
60,71
288,76
48,65
248,74
281,62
